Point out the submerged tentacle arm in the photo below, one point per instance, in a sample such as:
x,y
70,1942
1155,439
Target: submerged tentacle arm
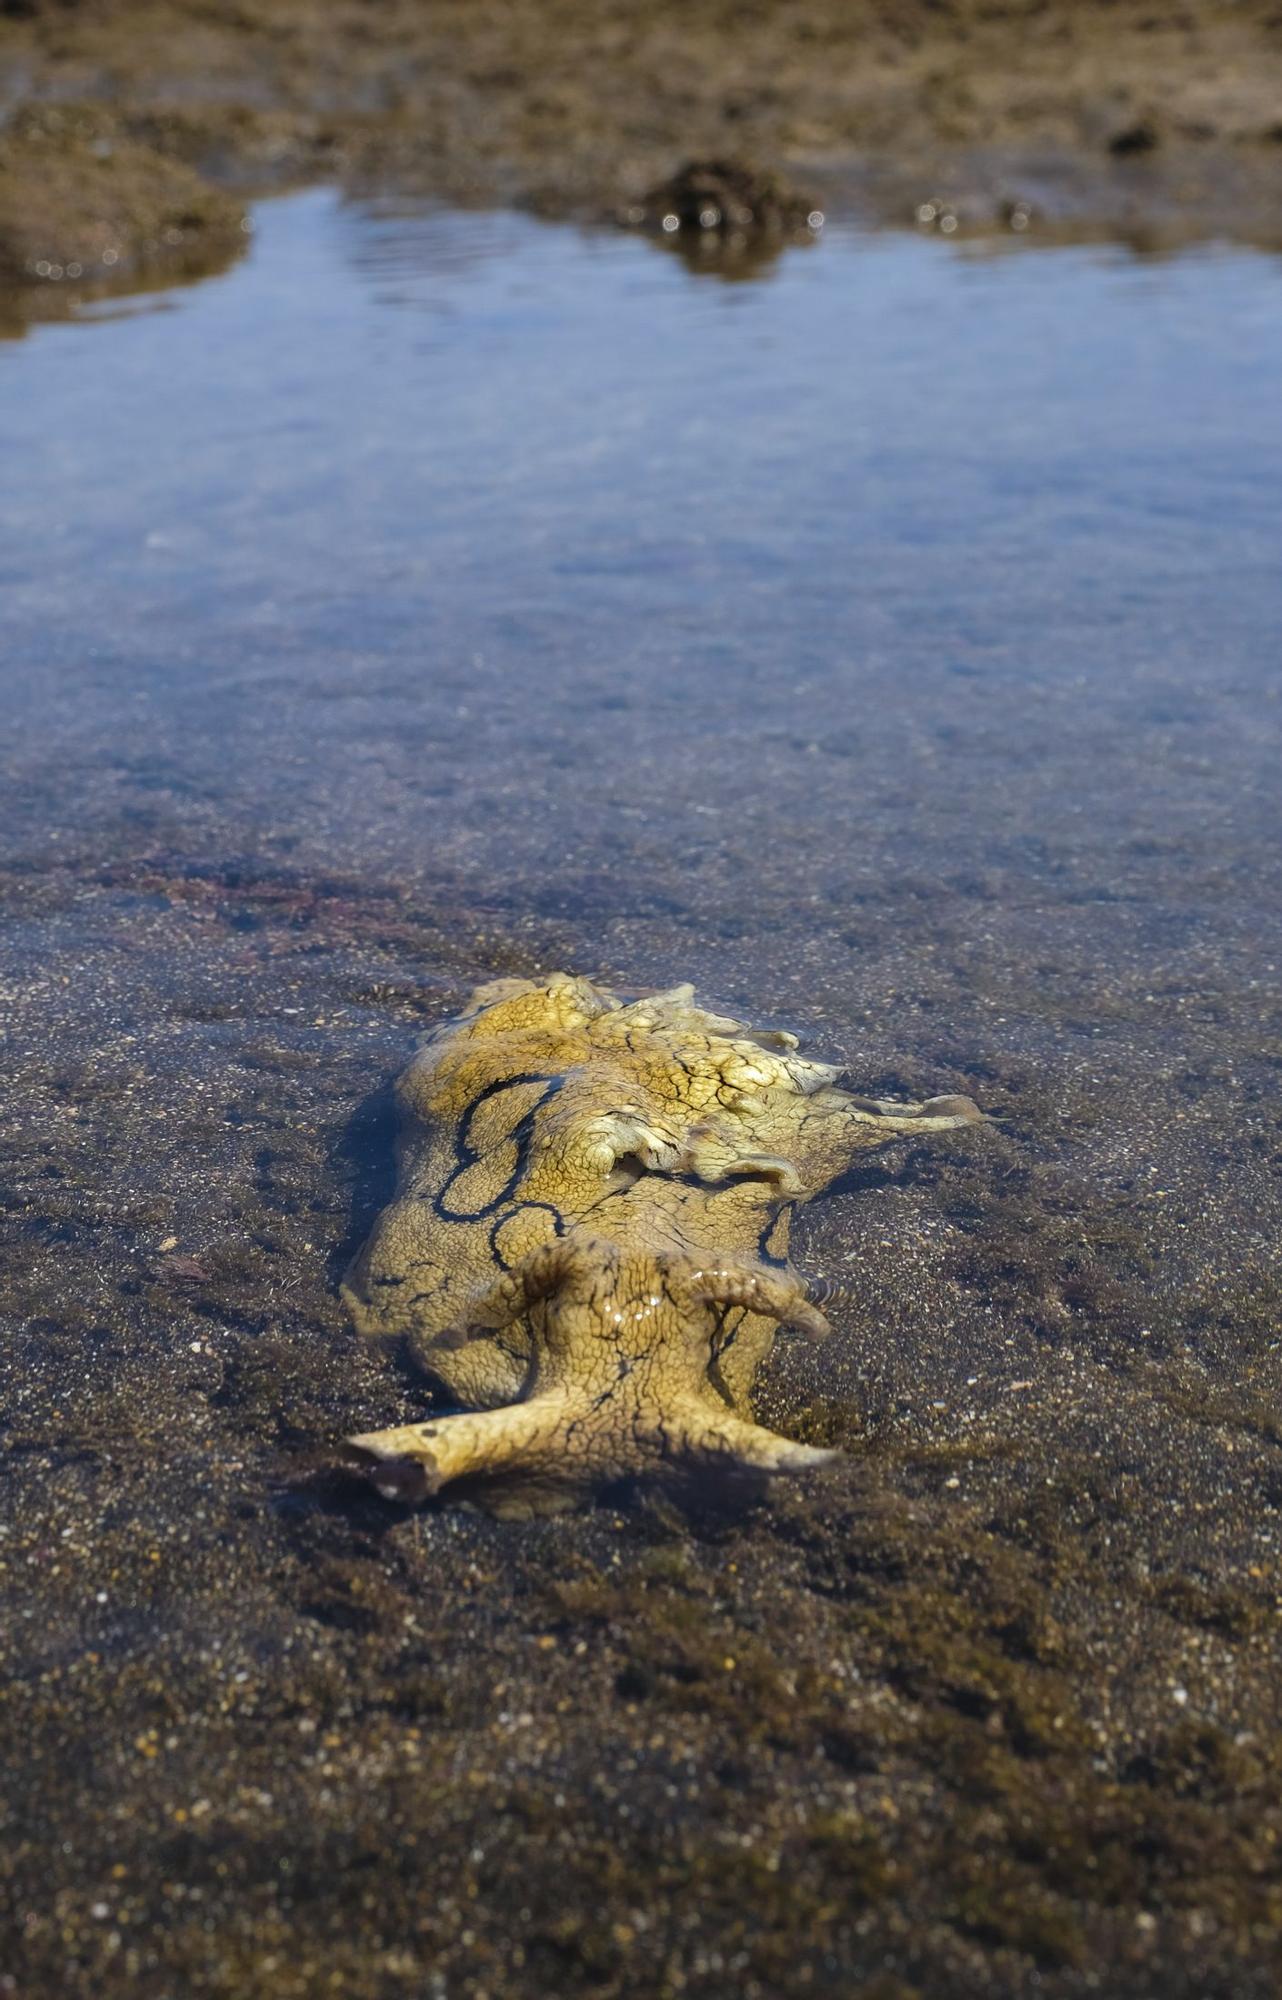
x,y
711,1157
935,1114
703,1438
411,1462
830,1128
776,1294
511,1296
540,1455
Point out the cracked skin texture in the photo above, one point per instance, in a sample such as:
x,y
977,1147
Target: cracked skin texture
x,y
588,1243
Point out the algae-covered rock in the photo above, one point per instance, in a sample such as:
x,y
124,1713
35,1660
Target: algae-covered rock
x,y
728,198
81,201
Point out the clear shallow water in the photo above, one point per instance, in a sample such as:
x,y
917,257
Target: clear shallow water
x,y
890,646
465,550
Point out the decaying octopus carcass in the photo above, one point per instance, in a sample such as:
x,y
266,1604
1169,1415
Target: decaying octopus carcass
x,y
588,1243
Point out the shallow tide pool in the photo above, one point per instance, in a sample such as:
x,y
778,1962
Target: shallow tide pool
x,y
887,643
453,544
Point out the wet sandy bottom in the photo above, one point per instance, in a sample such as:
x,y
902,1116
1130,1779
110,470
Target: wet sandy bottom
x,y
886,646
